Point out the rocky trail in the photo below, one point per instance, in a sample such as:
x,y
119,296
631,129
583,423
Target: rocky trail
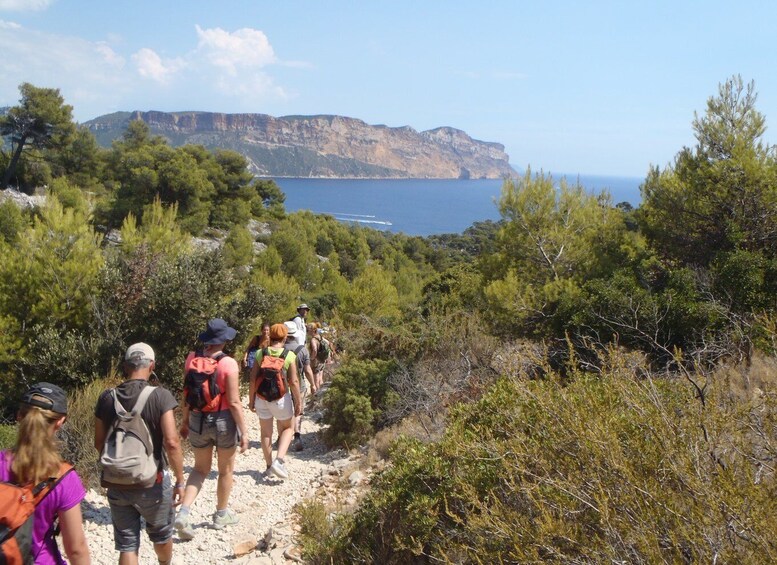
x,y
266,533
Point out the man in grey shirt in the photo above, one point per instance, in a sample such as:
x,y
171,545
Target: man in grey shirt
x,y
303,367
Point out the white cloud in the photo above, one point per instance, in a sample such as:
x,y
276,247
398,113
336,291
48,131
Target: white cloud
x,y
9,25
150,65
245,48
24,5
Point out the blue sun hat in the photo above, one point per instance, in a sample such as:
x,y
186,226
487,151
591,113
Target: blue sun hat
x,y
218,331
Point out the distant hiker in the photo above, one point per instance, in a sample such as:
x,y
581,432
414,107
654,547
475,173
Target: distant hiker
x,y
212,417
303,368
320,352
257,342
299,321
34,465
274,394
135,467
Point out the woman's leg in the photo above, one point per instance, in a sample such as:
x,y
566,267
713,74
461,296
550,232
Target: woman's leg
x,y
203,458
285,433
226,464
265,427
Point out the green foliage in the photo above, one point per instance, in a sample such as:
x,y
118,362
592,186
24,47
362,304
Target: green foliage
x,y
7,436
159,232
355,401
238,247
371,293
41,120
12,221
720,195
48,277
600,469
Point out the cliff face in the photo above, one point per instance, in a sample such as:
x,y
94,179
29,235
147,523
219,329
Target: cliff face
x,y
323,146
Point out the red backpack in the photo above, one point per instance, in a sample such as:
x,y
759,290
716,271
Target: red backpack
x,y
17,516
201,389
271,384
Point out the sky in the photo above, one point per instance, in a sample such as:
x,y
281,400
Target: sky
x,y
568,87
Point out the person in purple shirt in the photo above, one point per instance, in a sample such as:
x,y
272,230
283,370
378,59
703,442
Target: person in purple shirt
x,y
35,458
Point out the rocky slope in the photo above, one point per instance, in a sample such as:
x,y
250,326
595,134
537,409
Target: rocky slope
x,y
322,146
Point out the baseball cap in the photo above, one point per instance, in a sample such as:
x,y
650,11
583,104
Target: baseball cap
x,y
47,396
139,352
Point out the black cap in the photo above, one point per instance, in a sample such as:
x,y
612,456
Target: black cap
x,y
46,396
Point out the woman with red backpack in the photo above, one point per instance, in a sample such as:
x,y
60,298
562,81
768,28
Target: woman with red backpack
x,y
275,395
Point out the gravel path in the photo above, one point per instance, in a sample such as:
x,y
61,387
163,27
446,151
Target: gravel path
x,y
265,531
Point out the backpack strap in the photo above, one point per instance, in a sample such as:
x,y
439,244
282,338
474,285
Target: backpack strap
x,y
140,403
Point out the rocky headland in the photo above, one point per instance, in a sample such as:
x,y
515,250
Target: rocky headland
x,y
322,146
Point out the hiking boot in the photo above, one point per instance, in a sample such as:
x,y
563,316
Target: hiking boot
x,y
183,527
279,470
227,519
296,445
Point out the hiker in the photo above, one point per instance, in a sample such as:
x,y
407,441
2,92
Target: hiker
x,y
299,321
303,368
130,495
212,418
257,342
319,355
34,460
282,409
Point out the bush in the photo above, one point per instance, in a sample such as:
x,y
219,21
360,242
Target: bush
x,y
355,401
77,435
591,469
7,436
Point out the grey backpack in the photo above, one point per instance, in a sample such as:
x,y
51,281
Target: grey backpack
x,y
127,458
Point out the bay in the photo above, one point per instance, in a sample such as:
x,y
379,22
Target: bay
x,y
422,206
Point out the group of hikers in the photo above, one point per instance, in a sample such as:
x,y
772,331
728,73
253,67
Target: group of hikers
x,y
139,442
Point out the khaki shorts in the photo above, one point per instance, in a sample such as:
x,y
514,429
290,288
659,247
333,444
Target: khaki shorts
x,y
212,429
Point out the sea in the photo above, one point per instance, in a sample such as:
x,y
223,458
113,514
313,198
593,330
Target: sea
x,y
420,206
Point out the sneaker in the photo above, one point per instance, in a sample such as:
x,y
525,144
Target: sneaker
x,y
279,470
227,519
183,527
296,445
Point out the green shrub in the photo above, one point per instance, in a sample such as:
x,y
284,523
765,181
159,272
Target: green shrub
x,y
7,436
589,470
355,400
77,435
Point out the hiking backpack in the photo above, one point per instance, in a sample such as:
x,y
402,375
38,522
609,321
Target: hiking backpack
x,y
200,385
127,458
271,385
324,351
17,506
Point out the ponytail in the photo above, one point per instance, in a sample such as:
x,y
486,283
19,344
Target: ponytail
x,y
36,456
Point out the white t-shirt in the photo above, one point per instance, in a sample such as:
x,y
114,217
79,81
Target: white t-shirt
x,y
302,332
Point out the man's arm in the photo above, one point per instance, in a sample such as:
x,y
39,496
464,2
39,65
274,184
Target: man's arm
x,y
172,446
99,434
294,386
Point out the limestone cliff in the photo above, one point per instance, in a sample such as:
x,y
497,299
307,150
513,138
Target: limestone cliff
x,y
323,146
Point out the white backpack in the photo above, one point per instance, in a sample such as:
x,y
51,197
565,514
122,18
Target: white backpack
x,y
127,458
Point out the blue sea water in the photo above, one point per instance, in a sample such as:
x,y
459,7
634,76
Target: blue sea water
x,y
421,206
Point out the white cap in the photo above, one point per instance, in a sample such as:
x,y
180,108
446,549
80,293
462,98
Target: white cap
x,y
139,352
292,327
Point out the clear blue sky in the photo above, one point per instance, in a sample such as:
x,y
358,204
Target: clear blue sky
x,y
567,86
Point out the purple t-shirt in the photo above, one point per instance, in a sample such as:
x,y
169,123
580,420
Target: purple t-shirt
x,y
68,492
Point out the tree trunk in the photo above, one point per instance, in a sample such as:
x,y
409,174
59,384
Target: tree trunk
x,y
13,164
